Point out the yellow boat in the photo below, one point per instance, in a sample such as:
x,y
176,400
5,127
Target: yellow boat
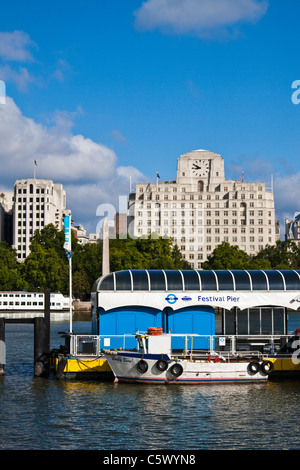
x,y
286,363
84,368
284,367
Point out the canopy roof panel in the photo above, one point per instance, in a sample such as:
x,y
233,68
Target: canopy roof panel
x,y
193,280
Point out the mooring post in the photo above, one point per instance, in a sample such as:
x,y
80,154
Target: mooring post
x,y
47,322
2,346
42,340
39,346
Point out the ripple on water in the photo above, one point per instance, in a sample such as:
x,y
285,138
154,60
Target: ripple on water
x,y
50,414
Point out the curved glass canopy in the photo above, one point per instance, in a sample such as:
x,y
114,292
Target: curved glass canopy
x,y
180,280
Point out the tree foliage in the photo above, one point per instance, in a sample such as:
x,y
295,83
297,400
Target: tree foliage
x,y
283,255
47,266
10,272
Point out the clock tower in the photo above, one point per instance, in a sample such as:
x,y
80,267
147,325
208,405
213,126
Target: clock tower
x,y
200,168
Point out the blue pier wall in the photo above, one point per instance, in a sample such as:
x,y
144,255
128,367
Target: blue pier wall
x,y
131,319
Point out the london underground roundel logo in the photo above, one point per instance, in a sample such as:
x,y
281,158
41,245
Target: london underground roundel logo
x,y
171,298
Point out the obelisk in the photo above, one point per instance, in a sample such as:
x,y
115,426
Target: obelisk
x,y
105,248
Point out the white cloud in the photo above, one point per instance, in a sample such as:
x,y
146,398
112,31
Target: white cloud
x,y
16,51
287,193
15,46
20,77
88,170
252,167
200,17
62,68
119,137
58,152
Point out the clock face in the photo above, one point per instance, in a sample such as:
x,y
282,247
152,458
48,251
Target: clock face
x,y
200,167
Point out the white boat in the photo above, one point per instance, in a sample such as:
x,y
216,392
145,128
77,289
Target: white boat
x,y
154,362
31,301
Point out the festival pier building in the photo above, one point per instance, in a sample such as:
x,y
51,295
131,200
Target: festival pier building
x,y
201,209
247,304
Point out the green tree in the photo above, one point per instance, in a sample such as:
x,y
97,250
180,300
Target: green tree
x,y
178,260
87,259
226,256
45,269
10,271
80,285
49,237
125,254
283,255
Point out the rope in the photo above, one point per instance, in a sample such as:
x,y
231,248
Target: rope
x,y
80,361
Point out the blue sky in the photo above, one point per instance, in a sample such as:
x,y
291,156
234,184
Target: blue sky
x,y
103,90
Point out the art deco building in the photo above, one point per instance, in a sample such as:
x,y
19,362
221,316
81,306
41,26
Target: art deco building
x,y
292,229
201,209
37,203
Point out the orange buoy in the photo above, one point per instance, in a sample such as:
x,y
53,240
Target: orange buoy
x,y
155,331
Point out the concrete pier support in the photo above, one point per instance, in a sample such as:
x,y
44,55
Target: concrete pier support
x,y
42,341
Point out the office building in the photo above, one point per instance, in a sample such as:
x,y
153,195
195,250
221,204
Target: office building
x,y
37,203
201,209
292,229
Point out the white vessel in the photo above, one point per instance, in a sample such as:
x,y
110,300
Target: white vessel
x,y
31,301
154,362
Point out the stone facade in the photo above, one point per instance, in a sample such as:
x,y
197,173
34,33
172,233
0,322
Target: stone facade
x,y
201,209
292,229
37,203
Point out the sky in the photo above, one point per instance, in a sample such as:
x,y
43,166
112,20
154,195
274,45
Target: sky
x,y
104,94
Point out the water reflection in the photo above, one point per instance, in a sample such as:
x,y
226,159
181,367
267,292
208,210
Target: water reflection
x,y
63,414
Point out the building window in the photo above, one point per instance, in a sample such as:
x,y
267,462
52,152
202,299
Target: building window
x,y
200,186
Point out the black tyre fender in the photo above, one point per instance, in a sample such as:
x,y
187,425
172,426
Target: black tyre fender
x,y
176,369
142,366
267,367
253,367
161,365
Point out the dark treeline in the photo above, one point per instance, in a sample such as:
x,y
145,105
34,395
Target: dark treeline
x,y
47,266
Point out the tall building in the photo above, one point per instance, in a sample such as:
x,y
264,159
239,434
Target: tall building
x,y
201,209
37,203
121,224
292,229
6,210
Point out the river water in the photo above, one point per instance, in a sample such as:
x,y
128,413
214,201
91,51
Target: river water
x,y
50,414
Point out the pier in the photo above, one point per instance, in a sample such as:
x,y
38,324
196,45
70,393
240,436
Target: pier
x,y
41,322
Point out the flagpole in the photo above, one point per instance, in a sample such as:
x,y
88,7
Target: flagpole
x,y
68,248
70,293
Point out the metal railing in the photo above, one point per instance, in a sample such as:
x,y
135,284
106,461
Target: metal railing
x,y
91,345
